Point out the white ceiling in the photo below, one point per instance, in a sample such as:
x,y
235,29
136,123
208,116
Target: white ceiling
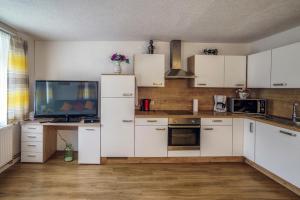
x,y
188,20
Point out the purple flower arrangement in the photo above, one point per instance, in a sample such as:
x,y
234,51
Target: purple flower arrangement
x,y
119,58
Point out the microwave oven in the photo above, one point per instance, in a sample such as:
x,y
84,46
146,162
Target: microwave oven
x,y
251,106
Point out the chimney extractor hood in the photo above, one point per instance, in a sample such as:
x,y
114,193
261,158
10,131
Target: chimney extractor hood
x,y
175,62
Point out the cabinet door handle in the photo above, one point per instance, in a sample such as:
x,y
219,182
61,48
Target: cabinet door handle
x,y
239,85
31,128
288,133
31,145
251,127
202,84
127,120
127,94
157,83
151,121
279,84
31,136
217,120
160,129
89,129
208,129
30,155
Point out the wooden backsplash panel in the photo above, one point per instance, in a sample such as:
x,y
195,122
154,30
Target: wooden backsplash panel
x,y
280,101
178,95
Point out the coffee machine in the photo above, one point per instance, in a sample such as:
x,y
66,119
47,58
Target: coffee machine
x,y
220,103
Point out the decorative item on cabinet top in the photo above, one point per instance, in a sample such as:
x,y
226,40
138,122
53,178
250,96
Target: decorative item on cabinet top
x,y
117,59
151,47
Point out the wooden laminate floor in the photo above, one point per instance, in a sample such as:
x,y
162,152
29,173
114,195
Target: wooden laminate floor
x,y
59,180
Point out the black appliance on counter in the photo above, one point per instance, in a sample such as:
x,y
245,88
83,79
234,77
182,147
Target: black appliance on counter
x,y
250,106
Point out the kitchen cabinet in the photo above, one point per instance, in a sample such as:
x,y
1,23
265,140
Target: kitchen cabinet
x,y
235,71
285,66
88,145
259,70
151,141
237,136
117,116
278,150
249,139
208,69
117,86
216,140
149,70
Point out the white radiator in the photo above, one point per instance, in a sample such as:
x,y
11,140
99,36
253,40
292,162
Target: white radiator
x,y
6,145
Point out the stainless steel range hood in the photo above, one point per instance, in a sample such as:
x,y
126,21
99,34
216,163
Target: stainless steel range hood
x,y
175,61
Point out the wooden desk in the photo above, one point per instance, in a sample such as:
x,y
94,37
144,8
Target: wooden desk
x,y
39,140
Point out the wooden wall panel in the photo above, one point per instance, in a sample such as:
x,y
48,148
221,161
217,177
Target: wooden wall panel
x,y
178,95
280,101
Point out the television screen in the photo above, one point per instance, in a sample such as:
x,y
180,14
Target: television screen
x,y
61,98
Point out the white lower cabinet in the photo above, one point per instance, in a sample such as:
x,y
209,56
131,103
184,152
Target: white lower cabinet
x,y
151,141
216,141
89,145
278,150
249,139
237,136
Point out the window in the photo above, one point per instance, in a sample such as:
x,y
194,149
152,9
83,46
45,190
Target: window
x,y
4,49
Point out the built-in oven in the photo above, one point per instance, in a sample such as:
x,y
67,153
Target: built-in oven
x,y
184,134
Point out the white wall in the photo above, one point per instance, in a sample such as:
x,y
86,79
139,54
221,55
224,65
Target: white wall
x,y
277,40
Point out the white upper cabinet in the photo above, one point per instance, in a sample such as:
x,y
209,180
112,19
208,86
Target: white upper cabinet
x,y
208,69
117,86
149,70
235,71
286,66
259,70
249,139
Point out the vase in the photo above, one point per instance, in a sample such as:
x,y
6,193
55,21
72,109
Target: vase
x,y
117,68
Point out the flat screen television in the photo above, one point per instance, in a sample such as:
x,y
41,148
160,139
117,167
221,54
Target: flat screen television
x,y
66,98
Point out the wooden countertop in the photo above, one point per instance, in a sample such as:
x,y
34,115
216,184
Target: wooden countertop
x,y
282,123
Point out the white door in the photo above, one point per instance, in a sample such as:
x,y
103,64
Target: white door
x,y
117,86
237,136
149,70
89,145
286,66
235,71
209,71
117,127
249,139
259,70
278,150
151,141
216,141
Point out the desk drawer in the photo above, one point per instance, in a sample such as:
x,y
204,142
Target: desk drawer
x,y
151,121
31,157
32,147
32,137
32,128
216,121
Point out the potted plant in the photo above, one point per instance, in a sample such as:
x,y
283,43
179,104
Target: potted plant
x,y
117,59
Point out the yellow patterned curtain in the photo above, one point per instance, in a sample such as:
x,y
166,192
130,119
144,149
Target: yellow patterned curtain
x,y
18,81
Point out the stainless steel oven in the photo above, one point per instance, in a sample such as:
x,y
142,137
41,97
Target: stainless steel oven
x,y
184,134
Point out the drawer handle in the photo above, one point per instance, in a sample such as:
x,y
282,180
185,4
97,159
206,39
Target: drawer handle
x,y
203,84
30,136
279,84
127,94
288,133
31,155
31,145
239,84
89,129
127,120
152,121
217,120
31,128
208,129
160,129
157,83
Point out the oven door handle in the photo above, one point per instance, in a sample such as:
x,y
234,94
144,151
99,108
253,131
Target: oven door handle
x,y
184,126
